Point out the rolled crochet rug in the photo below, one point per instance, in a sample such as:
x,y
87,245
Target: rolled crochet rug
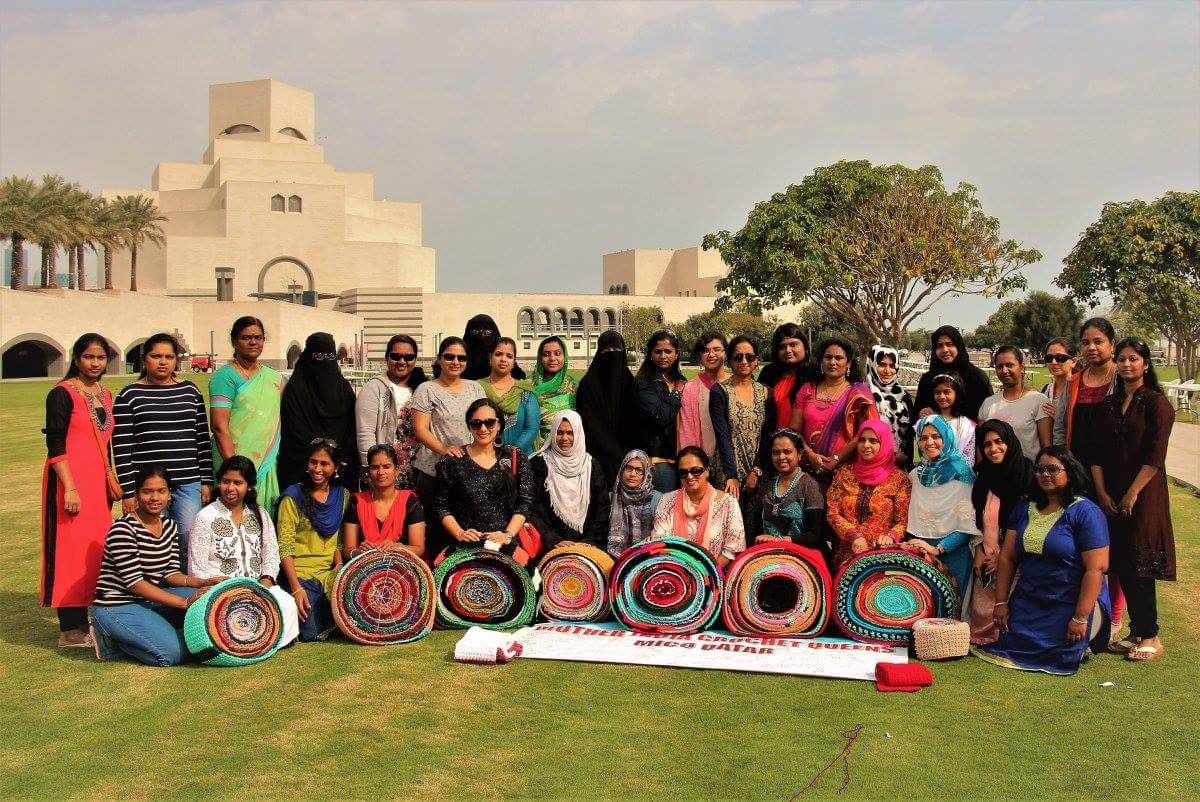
x,y
669,586
236,623
778,588
384,597
480,587
574,583
881,593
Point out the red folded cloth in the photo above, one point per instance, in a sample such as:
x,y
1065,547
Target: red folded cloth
x,y
902,676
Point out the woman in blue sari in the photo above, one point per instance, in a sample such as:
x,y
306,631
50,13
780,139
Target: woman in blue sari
x,y
1060,604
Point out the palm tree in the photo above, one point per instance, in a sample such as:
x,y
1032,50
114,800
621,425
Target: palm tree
x,y
19,221
78,208
55,231
109,232
141,218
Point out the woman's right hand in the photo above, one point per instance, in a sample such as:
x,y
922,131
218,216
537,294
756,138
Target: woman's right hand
x,y
303,606
453,451
72,502
1000,616
1049,408
129,505
859,545
1106,502
751,481
469,536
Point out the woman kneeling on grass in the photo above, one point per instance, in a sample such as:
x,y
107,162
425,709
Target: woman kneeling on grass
x,y
1060,603
234,536
382,516
310,522
141,595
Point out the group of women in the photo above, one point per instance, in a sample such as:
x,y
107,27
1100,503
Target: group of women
x,y
1029,499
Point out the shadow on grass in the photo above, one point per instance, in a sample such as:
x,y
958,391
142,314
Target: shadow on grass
x,y
27,623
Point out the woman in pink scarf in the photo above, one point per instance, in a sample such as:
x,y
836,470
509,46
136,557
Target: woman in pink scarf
x,y
695,421
868,499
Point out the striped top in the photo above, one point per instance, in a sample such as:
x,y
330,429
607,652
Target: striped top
x,y
164,425
132,554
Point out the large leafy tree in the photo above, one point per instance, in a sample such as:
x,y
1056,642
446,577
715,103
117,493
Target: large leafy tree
x,y
1041,317
877,245
730,324
142,224
638,323
996,330
1147,257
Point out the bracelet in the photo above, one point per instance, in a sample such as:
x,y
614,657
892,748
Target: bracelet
x,y
997,604
1082,621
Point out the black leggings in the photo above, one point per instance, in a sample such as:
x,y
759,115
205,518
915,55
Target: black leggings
x,y
1142,602
436,537
70,618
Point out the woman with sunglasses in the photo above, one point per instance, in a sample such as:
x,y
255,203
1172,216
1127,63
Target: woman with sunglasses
x,y
1058,550
382,410
243,407
1015,404
1059,360
659,385
738,409
439,409
696,426
485,492
517,399
317,402
699,512
1131,487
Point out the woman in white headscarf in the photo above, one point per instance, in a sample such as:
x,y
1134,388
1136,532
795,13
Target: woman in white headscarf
x,y
894,403
572,492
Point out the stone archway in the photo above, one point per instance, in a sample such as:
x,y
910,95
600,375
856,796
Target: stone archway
x,y
133,355
308,274
293,354
32,356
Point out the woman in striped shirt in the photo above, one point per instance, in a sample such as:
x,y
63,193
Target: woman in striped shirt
x,y
161,420
142,593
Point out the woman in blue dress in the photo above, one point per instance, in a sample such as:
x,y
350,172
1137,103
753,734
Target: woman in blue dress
x,y
1060,603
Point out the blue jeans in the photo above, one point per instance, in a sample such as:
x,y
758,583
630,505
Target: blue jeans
x,y
145,631
320,613
664,476
183,509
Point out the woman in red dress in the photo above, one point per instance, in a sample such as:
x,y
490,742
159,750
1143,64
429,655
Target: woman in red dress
x,y
76,508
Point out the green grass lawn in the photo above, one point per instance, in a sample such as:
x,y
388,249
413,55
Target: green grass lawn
x,y
340,720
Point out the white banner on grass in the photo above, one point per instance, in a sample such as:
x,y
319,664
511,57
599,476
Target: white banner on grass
x,y
609,643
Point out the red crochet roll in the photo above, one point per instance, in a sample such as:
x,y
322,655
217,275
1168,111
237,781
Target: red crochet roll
x,y
902,676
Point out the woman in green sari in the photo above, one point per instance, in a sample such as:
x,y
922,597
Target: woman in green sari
x,y
554,386
517,399
244,407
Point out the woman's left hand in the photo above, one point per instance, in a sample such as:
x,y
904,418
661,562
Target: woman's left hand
x,y
1076,631
732,487
503,538
205,494
1127,503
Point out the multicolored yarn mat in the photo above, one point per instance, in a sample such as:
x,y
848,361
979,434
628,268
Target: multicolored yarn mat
x,y
479,587
668,586
384,596
574,583
778,588
236,623
880,594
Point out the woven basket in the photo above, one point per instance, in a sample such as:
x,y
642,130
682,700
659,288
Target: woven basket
x,y
941,638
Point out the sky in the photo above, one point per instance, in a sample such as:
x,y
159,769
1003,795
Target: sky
x,y
540,136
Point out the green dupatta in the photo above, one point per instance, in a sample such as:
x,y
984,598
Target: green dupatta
x,y
556,393
254,427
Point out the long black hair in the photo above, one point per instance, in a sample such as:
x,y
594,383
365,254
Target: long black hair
x,y
1078,482
417,375
243,466
775,370
853,369
81,345
1150,379
956,384
153,340
648,369
502,452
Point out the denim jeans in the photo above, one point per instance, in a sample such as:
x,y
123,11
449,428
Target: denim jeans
x,y
320,613
665,477
183,509
145,631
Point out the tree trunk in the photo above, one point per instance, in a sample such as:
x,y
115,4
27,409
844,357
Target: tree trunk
x,y
108,260
79,265
52,266
17,278
71,267
45,266
133,268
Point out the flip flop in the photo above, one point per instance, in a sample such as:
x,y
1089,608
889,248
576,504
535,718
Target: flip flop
x,y
1122,646
86,643
1154,653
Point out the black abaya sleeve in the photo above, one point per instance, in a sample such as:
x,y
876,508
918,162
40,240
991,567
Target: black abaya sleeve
x,y
595,525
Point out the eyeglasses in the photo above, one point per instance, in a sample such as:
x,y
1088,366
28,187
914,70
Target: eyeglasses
x,y
396,357
693,472
1048,470
455,357
1058,358
482,423
744,358
634,469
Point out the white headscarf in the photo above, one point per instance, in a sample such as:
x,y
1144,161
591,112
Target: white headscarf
x,y
569,473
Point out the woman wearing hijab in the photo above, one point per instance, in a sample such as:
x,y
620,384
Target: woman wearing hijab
x,y
634,502
869,498
1005,479
570,486
552,381
893,401
941,520
948,354
605,403
317,402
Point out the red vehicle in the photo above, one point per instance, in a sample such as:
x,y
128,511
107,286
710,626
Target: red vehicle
x,y
202,363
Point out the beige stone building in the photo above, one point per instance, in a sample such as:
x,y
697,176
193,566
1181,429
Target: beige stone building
x,y
264,225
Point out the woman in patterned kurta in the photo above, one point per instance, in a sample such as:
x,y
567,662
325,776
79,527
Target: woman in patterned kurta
x,y
738,409
868,500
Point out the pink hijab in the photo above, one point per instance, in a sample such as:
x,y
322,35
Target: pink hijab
x,y
876,471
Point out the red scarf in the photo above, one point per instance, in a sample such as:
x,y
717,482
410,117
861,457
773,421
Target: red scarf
x,y
393,524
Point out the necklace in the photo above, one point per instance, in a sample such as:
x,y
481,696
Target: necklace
x,y
91,406
836,394
244,371
778,497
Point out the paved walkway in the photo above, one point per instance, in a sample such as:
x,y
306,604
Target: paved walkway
x,y
1183,453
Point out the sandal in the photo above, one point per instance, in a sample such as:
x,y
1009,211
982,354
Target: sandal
x,y
1123,646
1145,654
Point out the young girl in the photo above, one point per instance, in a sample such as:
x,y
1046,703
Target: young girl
x,y
234,536
947,397
310,520
382,515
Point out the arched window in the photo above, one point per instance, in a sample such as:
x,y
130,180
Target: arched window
x,y
610,319
612,290
543,319
277,203
525,322
560,319
594,319
240,128
295,204
292,132
624,289
576,321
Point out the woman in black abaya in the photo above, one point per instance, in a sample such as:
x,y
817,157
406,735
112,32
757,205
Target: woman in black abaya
x,y
605,402
317,401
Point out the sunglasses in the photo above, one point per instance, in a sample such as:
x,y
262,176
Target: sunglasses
x,y
482,423
396,357
1048,470
1058,358
743,358
455,357
692,472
